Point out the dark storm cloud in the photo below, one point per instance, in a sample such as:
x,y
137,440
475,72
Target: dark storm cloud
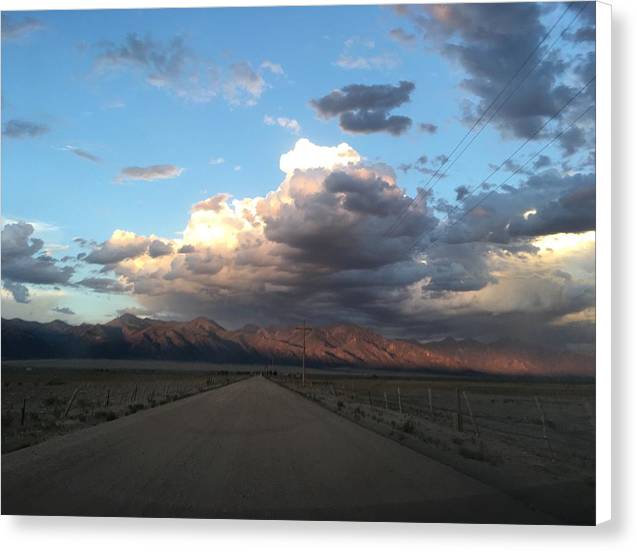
x,y
344,225
15,29
114,251
460,268
21,265
367,122
461,192
159,248
572,140
490,42
362,97
366,109
20,292
544,204
18,128
572,212
584,34
542,161
103,285
366,196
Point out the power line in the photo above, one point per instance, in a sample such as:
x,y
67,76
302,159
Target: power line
x,y
554,116
499,186
421,194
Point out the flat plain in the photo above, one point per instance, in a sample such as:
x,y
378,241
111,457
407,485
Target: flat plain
x,y
279,449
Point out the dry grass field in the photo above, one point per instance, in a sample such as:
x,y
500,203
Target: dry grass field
x,y
534,440
42,399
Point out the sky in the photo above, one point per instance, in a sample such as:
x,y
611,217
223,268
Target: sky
x,y
427,171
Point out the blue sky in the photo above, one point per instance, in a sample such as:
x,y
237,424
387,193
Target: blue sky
x,y
205,101
49,76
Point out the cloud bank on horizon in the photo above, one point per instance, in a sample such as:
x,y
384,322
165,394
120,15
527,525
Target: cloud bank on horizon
x,y
343,238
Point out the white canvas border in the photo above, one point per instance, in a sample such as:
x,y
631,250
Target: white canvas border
x,y
603,292
603,280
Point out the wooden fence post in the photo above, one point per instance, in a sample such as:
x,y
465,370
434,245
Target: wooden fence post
x,y
70,404
133,395
400,405
386,402
544,431
370,398
108,397
431,407
24,410
459,424
473,419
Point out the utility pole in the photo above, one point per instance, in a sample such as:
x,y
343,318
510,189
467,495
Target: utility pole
x,y
305,329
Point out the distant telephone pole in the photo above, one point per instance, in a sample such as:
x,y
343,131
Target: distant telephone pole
x,y
305,329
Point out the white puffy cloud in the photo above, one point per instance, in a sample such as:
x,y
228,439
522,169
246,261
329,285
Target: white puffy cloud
x,y
306,156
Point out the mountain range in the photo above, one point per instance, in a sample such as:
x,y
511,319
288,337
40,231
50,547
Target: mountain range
x,y
131,337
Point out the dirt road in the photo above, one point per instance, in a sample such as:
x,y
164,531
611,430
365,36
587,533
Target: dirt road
x,y
249,450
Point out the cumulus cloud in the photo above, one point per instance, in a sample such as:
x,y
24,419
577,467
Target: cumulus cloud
x,y
16,29
290,124
305,156
24,261
216,161
320,243
19,128
365,109
149,173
